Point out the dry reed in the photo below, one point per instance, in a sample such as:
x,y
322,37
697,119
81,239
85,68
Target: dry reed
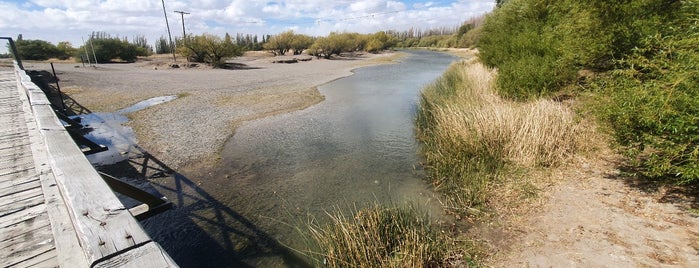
x,y
470,134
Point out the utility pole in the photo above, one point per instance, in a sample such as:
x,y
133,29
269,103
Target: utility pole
x,y
172,45
184,33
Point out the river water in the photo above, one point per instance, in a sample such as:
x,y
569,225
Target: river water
x,y
355,148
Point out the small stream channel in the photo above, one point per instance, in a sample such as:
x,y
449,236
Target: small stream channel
x,y
354,149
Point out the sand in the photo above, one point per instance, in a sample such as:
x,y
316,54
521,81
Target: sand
x,y
192,129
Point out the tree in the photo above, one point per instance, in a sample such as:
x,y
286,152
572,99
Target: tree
x,y
300,42
36,49
162,46
210,49
333,44
65,50
280,44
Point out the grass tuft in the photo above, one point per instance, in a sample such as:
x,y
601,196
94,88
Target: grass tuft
x,y
378,236
470,135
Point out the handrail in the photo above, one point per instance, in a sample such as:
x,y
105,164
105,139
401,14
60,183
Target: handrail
x,y
15,53
106,231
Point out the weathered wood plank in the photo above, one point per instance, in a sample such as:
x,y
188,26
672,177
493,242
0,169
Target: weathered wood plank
x,y
27,236
147,255
12,166
103,224
28,198
19,255
20,228
14,186
68,250
18,205
22,215
18,177
46,259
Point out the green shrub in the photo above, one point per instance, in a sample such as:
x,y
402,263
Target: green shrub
x,y
36,50
209,49
651,101
539,45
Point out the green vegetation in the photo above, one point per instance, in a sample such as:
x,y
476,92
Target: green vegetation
x,y
336,43
644,52
107,49
210,49
383,237
651,98
280,44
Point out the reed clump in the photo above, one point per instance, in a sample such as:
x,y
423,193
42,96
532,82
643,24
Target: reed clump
x,y
380,236
470,135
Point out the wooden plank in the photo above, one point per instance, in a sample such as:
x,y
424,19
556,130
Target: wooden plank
x,y
27,193
26,237
22,215
19,205
103,224
46,259
104,227
70,253
17,178
68,250
14,162
147,255
20,255
18,185
22,227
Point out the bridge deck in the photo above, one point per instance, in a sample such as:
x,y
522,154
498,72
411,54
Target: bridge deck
x,y
55,210
27,237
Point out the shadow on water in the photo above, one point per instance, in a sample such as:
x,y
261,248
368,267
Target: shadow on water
x,y
202,231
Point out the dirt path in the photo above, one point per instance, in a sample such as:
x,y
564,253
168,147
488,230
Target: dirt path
x,y
597,218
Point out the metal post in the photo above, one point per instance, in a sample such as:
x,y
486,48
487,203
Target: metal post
x,y
58,87
14,52
93,52
86,53
172,46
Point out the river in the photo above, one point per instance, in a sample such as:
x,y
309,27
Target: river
x,y
355,148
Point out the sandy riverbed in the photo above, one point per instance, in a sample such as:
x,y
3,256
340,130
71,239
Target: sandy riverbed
x,y
212,102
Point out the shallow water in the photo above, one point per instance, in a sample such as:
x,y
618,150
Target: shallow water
x,y
109,129
355,148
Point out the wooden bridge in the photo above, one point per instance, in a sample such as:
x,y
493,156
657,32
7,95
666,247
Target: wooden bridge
x,y
55,209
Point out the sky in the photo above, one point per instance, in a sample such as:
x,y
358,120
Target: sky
x,y
73,20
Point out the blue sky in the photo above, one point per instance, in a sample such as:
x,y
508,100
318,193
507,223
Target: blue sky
x,y
70,20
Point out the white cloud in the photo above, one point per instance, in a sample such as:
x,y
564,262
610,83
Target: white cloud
x,y
69,20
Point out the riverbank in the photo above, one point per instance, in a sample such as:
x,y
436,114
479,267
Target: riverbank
x,y
211,104
575,204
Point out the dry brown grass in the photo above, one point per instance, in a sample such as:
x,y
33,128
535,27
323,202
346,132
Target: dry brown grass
x,y
472,135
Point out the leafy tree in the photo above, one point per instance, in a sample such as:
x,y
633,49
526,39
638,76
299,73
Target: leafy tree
x,y
36,49
107,48
300,42
280,44
333,44
162,46
65,50
210,49
379,41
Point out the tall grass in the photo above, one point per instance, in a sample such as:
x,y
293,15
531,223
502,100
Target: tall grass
x,y
382,237
470,134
